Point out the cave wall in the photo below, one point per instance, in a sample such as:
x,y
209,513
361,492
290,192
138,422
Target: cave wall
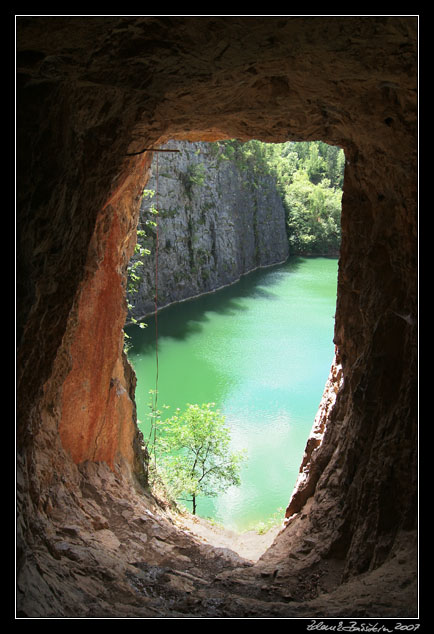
x,y
91,91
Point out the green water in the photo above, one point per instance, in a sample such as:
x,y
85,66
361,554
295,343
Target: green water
x,y
261,350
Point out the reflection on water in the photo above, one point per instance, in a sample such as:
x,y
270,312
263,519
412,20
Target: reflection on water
x,y
261,350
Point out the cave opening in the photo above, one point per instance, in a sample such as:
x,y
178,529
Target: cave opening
x,y
89,97
198,193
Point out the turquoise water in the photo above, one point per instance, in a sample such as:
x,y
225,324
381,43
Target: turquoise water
x,y
261,350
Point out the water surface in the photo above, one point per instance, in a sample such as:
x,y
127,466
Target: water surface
x,y
261,350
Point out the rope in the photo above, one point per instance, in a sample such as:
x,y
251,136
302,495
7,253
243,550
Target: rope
x,y
153,430
156,312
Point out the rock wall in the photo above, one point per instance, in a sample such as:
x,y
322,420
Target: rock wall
x,y
92,93
210,232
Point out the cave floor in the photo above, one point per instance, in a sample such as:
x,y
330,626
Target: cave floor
x,y
107,551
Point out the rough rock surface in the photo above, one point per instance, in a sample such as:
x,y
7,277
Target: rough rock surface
x,y
91,91
309,473
210,232
104,551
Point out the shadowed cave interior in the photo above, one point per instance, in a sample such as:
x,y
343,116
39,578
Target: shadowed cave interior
x,y
91,93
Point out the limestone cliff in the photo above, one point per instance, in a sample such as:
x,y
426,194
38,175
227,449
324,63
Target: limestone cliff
x,y
217,219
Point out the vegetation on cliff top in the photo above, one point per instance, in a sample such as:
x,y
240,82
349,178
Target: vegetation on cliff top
x,y
309,177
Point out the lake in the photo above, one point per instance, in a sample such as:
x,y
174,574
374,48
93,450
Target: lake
x,y
261,349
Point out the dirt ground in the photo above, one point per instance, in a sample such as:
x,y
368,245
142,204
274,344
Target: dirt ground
x,y
249,545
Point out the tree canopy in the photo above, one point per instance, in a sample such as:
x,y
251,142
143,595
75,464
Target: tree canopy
x,y
194,453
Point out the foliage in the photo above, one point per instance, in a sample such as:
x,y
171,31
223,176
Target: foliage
x,y
193,175
134,265
309,176
193,453
313,216
134,278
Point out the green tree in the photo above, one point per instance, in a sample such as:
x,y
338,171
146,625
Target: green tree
x,y
313,216
194,454
314,164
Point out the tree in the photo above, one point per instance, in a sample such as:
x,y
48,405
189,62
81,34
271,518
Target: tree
x,y
313,216
314,164
194,455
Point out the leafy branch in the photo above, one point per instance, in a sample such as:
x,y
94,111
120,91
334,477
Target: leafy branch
x,y
134,277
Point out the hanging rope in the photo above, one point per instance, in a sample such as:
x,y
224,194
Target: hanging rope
x,y
156,313
154,413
